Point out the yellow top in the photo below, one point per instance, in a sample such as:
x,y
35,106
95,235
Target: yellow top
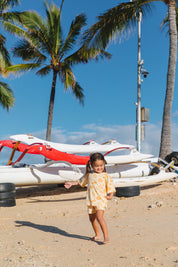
x,y
98,186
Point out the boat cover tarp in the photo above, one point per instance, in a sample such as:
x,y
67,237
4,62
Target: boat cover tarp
x,y
44,150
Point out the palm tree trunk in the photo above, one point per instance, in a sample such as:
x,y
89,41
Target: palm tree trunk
x,y
51,106
165,147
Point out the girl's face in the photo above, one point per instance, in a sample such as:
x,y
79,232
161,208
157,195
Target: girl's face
x,y
98,166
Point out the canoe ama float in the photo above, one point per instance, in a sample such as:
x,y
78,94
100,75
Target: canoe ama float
x,y
133,174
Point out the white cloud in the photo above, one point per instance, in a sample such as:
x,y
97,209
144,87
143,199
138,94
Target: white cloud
x,y
101,134
151,144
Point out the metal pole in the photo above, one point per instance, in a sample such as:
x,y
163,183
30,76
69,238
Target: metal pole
x,y
139,67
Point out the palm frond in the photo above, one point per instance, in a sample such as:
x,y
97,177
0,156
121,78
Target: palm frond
x,y
68,79
164,23
14,16
30,20
75,28
4,54
23,67
27,24
37,30
28,52
5,4
35,34
53,25
85,54
78,92
115,21
6,96
53,14
44,71
66,75
15,29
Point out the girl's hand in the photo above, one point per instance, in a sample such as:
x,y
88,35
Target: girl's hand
x,y
110,196
69,184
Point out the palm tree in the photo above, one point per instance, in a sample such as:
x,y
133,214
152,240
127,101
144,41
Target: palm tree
x,y
44,48
119,20
6,94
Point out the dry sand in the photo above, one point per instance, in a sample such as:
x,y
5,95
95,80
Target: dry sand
x,y
49,226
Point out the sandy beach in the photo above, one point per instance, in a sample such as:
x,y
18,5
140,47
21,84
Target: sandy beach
x,y
49,226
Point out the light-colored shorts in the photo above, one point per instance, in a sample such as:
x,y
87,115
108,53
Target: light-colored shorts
x,y
93,209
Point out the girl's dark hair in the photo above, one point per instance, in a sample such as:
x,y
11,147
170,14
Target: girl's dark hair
x,y
93,158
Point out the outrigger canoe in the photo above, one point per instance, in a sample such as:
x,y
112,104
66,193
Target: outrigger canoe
x,y
124,171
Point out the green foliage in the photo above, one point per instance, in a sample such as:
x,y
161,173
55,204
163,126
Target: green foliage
x,y
5,4
44,46
6,96
116,21
4,55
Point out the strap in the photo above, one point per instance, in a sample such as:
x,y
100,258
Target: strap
x,y
13,152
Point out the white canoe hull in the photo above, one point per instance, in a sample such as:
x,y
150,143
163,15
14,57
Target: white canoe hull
x,y
35,175
23,176
144,181
127,180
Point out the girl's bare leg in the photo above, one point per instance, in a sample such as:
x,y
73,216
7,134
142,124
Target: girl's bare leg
x,y
94,222
103,225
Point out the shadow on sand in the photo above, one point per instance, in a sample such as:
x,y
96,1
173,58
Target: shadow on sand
x,y
45,190
51,229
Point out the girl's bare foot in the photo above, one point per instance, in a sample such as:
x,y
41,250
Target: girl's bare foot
x,y
106,241
95,238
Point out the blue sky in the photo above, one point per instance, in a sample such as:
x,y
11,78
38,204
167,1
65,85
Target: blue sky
x,y
110,87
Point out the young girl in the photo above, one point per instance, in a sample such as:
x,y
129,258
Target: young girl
x,y
100,188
